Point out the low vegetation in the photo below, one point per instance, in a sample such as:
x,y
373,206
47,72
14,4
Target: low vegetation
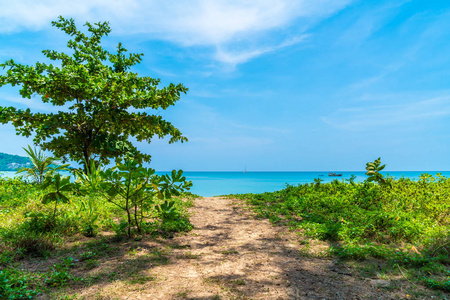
x,y
104,208
402,227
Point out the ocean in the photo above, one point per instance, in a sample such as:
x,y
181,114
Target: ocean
x,y
223,183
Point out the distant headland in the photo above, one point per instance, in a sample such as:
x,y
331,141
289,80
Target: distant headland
x,y
9,162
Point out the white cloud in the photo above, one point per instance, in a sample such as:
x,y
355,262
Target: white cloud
x,y
388,115
224,25
34,15
233,58
370,21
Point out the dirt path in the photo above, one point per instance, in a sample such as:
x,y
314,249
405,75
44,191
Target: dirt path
x,y
231,255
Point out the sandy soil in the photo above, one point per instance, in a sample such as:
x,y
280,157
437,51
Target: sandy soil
x,y
232,255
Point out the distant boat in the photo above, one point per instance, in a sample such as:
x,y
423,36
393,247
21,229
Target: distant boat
x,y
335,174
245,169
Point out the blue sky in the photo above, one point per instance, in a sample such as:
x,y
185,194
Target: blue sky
x,y
273,85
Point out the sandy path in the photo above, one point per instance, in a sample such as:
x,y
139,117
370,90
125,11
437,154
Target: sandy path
x,y
231,255
228,255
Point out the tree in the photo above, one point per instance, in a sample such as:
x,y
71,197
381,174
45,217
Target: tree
x,y
105,100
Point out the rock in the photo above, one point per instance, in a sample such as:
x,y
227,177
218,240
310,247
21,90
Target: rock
x,y
380,282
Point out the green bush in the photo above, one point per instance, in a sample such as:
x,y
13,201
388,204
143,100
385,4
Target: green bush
x,y
404,222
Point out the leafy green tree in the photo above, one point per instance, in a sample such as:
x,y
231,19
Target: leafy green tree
x,y
40,165
103,101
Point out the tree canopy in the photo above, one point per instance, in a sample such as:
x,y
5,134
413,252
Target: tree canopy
x,y
103,103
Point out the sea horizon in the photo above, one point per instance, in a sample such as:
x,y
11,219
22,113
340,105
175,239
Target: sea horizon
x,y
215,183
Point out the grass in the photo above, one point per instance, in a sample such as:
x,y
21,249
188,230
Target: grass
x,y
63,256
188,256
229,252
404,224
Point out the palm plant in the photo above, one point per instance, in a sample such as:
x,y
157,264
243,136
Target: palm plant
x,y
59,185
89,184
41,164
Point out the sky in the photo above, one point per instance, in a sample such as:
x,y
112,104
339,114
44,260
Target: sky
x,y
285,85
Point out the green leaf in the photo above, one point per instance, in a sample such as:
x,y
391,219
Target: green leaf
x,y
63,198
50,197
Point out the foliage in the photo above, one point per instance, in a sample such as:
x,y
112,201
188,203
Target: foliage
x,y
104,99
180,224
28,230
134,188
89,182
41,165
437,285
373,171
167,210
31,243
317,181
59,185
60,274
14,192
89,185
38,222
406,225
16,285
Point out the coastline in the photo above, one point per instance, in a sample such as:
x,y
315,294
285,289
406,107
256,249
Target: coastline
x,y
207,184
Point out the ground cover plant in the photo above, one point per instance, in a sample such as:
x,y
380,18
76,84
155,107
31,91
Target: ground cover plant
x,y
401,226
38,221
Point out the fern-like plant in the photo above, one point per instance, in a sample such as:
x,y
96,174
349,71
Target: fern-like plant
x,y
373,171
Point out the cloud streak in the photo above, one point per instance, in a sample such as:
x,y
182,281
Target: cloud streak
x,y
381,116
234,31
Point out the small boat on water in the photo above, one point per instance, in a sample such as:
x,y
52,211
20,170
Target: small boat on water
x,y
335,174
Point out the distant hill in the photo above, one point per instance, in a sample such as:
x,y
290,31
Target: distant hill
x,y
10,162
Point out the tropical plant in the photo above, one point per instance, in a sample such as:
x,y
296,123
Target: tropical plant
x,y
59,185
104,100
406,226
89,185
317,181
41,165
167,210
351,180
89,181
134,188
173,184
373,171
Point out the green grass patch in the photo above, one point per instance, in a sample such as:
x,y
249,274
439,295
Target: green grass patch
x,y
403,222
31,231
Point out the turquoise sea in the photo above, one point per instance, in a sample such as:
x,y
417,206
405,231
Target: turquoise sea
x,y
224,183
